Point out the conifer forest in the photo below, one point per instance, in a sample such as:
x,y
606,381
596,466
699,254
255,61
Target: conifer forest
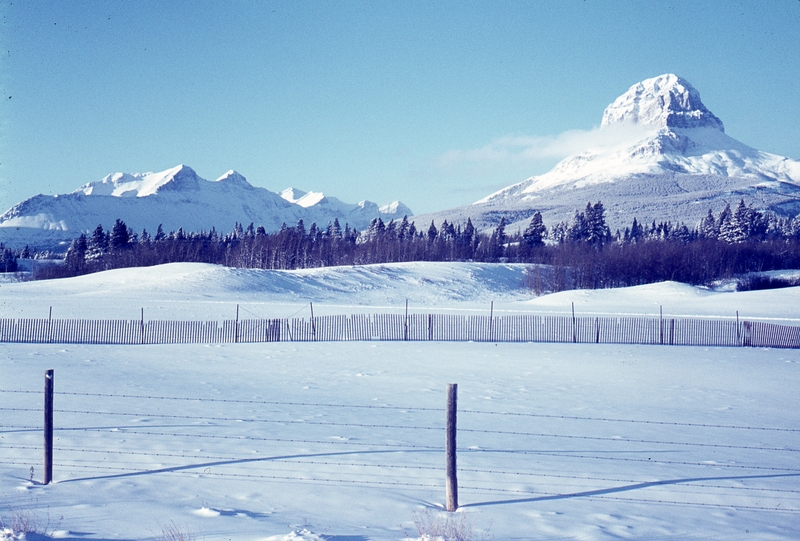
x,y
581,253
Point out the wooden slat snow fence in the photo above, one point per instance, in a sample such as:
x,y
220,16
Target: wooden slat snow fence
x,y
416,327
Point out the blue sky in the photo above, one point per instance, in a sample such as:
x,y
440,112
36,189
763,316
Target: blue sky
x,y
365,99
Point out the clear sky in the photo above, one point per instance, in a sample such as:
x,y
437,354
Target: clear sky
x,y
434,103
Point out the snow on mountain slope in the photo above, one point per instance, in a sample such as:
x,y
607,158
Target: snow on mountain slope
x,y
143,184
664,157
176,198
333,205
299,197
680,136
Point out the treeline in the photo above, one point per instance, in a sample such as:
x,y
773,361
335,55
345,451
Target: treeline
x,y
581,253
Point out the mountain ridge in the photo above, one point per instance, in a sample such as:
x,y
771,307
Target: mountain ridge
x,y
174,198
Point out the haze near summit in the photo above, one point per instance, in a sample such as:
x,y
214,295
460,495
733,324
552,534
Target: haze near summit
x,y
436,104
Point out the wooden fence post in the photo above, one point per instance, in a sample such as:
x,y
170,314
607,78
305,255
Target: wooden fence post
x,y
236,327
574,325
313,325
491,322
48,427
597,330
450,448
50,325
738,333
661,325
405,324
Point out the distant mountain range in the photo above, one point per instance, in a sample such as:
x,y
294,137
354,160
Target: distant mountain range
x,y
177,198
666,157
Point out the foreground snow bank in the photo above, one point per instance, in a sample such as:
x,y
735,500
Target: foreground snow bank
x,y
345,440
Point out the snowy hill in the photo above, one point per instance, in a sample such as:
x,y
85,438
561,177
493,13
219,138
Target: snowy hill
x,y
202,291
665,156
176,198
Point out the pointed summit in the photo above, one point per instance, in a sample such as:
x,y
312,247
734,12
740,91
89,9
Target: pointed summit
x,y
233,178
179,178
666,101
292,195
659,154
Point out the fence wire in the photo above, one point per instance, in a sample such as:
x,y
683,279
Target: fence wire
x,y
401,448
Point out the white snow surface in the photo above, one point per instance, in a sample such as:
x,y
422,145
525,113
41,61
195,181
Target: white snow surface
x,y
199,291
177,198
344,441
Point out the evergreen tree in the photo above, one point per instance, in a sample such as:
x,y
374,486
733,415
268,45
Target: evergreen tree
x,y
560,232
97,244
75,261
536,231
391,231
793,228
432,232
681,233
313,232
727,227
742,223
402,231
238,230
500,231
497,242
8,262
119,236
637,231
469,240
597,232
578,230
708,229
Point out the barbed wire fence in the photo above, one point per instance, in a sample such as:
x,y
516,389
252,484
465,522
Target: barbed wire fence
x,y
523,457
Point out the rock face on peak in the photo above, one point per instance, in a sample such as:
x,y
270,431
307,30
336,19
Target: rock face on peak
x,y
181,177
666,101
232,177
175,198
666,158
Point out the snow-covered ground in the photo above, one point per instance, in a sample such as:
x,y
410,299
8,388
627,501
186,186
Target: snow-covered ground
x,y
344,441
196,291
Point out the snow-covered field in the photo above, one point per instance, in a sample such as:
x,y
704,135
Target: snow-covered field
x,y
344,441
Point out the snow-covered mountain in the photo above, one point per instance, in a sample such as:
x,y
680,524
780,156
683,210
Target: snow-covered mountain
x,y
177,198
322,203
664,156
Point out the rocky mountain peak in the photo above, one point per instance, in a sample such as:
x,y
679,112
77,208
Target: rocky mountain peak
x,y
666,101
